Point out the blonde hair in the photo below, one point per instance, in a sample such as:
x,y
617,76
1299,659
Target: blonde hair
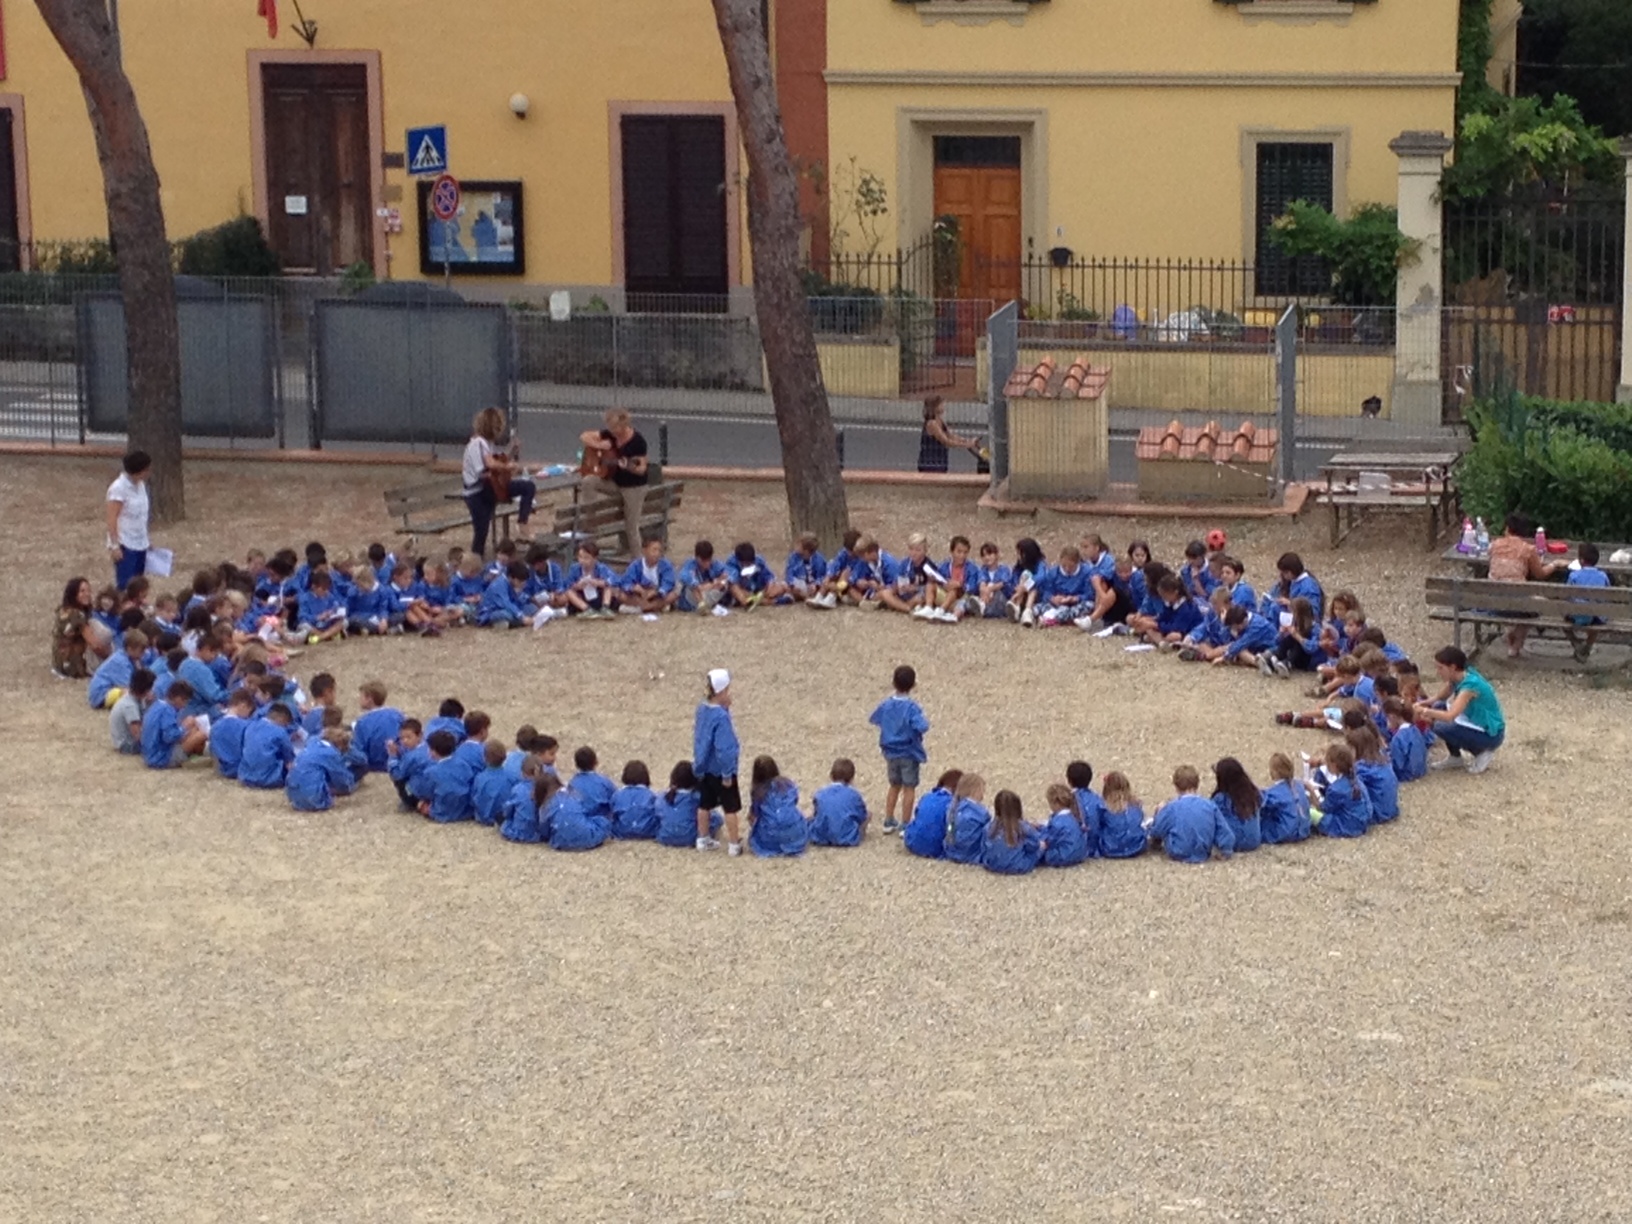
x,y
489,424
1185,778
617,418
970,786
1061,798
1117,792
1280,767
917,540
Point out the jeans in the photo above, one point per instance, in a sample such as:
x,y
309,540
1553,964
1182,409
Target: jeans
x,y
1457,737
132,563
483,504
1291,652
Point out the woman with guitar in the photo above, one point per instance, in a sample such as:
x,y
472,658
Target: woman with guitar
x,y
493,475
615,465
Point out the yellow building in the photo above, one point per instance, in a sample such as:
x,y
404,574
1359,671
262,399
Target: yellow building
x,y
1152,129
312,140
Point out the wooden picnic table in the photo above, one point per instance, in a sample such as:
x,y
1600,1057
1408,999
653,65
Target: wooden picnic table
x,y
1620,572
1415,481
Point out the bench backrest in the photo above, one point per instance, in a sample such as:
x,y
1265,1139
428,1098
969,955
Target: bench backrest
x,y
1540,598
408,498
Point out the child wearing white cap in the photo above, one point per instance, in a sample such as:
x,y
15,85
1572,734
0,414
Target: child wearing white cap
x,y
715,753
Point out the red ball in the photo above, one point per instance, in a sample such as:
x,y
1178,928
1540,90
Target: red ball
x,y
1216,540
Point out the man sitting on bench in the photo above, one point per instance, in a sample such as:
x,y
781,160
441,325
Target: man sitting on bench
x,y
615,465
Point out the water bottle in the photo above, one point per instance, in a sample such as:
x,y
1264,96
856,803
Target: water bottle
x,y
1481,538
1467,543
1541,541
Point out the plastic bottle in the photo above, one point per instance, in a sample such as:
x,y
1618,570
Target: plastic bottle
x,y
1466,545
1481,537
1541,541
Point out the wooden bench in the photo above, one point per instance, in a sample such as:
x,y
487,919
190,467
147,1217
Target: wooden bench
x,y
1490,609
435,506
601,519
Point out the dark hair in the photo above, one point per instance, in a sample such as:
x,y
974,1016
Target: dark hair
x,y
137,461
545,743
1194,549
316,554
635,773
1290,563
1029,554
322,684
765,772
1388,686
956,540
703,550
283,714
320,580
180,689
1237,615
744,553
476,723
241,697
1450,656
584,759
274,686
536,553
130,618
493,754
412,724
1234,784
1303,616
949,780
167,641
1588,553
1080,775
681,777
590,547
1394,707
442,743
1366,741
1236,565
932,406
844,771
1135,545
1520,524
333,716
199,619
517,571
851,538
1007,815
904,679
451,708
1168,585
1340,759
70,593
281,566
175,659
376,554
141,682
545,788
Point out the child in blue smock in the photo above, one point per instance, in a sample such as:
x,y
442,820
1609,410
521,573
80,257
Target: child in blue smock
x,y
450,717
1065,837
320,772
993,584
1372,768
702,580
1208,641
925,833
1240,803
1585,573
376,726
409,757
227,733
1252,638
1011,845
901,729
634,807
806,569
443,790
1407,748
1284,817
169,737
1189,827
523,822
112,676
1178,616
1196,577
1295,582
714,756
1122,832
749,578
572,826
501,606
1231,578
838,813
677,808
777,828
590,583
966,827
1345,808
1079,778
268,750
649,585
490,791
321,614
593,790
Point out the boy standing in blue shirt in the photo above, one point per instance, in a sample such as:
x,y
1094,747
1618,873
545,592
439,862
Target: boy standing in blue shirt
x,y
901,729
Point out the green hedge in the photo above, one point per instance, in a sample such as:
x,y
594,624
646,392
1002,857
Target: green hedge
x,y
1566,465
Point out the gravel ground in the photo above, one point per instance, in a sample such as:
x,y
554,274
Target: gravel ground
x,y
214,1007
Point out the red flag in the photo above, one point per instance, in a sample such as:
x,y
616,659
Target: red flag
x,y
269,10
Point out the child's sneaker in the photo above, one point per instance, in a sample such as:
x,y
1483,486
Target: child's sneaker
x,y
891,825
946,616
1265,668
734,849
1189,654
754,600
707,843
1013,609
1027,620
1085,623
1283,669
1284,718
1482,760
923,612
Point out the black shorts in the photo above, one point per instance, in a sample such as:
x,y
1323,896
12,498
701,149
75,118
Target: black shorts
x,y
714,793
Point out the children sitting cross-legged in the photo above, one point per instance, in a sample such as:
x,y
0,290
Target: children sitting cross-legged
x,y
926,833
1122,832
227,733
1345,807
778,828
1148,607
993,583
634,807
321,615
966,826
1252,639
1066,837
490,791
951,586
1030,571
409,758
806,569
269,749
443,789
1064,589
1284,814
871,571
369,607
649,585
909,591
837,582
1189,827
1178,616
1375,772
1208,641
702,580
750,580
529,800
501,604
572,824
838,813
593,790
125,719
376,726
169,738
591,584
1240,803
1407,749
1011,845
320,772
677,810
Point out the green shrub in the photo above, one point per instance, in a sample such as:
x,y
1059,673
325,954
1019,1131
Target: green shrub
x,y
234,248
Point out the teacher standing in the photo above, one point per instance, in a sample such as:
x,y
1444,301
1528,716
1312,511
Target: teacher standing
x,y
127,510
491,476
616,464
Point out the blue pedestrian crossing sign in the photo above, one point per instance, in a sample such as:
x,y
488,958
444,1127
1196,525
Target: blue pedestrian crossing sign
x,y
428,150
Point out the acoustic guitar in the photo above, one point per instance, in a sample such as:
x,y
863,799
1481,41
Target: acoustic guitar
x,y
599,463
498,478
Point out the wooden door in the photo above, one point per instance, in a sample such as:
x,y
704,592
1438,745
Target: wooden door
x,y
320,213
985,202
674,201
11,254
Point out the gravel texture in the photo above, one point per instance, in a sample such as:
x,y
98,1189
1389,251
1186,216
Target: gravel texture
x,y
212,1007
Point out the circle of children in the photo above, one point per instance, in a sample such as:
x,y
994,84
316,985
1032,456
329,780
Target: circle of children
x,y
201,675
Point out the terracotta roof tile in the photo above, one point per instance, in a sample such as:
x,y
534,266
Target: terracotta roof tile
x,y
1208,443
1045,380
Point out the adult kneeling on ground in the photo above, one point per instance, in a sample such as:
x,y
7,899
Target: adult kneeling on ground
x,y
616,465
1465,714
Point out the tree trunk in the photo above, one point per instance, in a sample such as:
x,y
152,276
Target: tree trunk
x,y
810,459
136,231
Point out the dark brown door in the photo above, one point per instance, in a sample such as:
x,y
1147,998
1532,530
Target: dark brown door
x,y
317,165
674,200
10,249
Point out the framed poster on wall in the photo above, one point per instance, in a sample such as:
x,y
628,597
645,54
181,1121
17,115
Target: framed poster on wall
x,y
486,238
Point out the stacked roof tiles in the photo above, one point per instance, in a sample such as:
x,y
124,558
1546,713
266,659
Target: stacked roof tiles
x,y
1045,381
1209,443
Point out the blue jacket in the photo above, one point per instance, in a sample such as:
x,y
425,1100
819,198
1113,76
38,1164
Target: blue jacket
x,y
809,570
471,757
901,728
594,791
1137,587
161,732
268,752
999,575
521,823
540,586
469,590
1198,583
1243,596
1284,817
966,831
1179,618
311,722
317,776
779,827
113,673
1257,635
489,794
1066,839
571,826
761,578
926,833
634,577
373,607
406,767
445,785
319,611
602,572
1190,827
1078,586
634,813
1093,818
1345,809
1122,834
694,573
227,743
1249,832
370,733
677,819
838,814
714,747
1382,788
1408,751
885,570
1304,586
455,725
1211,632
501,603
403,598
996,855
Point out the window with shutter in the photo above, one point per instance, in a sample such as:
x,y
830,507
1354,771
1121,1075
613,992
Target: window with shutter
x,y
674,200
1288,172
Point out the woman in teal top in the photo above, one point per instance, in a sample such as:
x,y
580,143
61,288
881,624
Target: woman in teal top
x,y
1466,712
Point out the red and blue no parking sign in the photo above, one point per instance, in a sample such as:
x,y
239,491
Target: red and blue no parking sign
x,y
445,198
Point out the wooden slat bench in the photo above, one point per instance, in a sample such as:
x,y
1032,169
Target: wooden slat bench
x,y
601,519
435,506
1490,609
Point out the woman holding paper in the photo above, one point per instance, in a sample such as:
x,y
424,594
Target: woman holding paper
x,y
127,508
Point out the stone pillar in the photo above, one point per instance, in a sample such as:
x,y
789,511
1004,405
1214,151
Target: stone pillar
x,y
1418,392
1624,393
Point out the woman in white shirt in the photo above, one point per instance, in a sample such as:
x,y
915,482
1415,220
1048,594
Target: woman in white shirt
x,y
486,472
127,519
